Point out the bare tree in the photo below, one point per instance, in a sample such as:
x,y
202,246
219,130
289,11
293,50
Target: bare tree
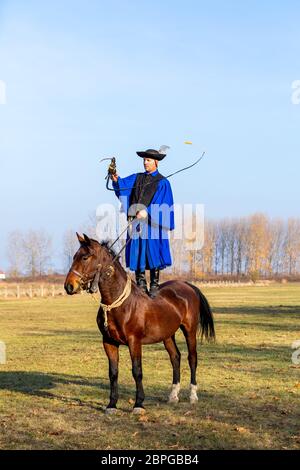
x,y
292,245
38,251
15,253
223,243
241,246
208,250
276,233
258,244
70,246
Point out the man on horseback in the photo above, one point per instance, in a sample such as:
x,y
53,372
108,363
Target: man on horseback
x,y
147,200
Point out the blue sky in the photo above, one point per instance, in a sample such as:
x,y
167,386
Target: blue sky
x,y
96,78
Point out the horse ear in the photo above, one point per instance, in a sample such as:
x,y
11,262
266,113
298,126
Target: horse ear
x,y
80,238
87,239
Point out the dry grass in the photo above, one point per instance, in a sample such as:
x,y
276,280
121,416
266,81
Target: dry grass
x,y
54,385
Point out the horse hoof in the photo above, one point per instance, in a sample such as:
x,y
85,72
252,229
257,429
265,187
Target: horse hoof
x,y
173,400
193,400
138,411
111,411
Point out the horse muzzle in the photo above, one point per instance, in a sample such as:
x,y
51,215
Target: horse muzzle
x,y
72,285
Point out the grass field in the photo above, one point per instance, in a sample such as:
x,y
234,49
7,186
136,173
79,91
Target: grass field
x,y
54,386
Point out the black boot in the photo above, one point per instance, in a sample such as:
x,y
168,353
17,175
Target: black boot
x,y
154,282
141,281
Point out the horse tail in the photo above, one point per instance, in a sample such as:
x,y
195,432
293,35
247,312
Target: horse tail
x,y
206,319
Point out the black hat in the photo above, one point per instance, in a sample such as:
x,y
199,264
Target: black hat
x,y
151,153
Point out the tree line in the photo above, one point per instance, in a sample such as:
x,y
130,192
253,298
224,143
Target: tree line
x,y
255,246
31,253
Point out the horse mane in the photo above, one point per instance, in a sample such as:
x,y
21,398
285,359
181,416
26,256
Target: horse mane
x,y
105,244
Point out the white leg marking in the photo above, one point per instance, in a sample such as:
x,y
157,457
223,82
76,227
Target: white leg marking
x,y
193,394
173,397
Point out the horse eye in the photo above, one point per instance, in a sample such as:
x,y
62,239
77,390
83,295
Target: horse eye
x,y
85,257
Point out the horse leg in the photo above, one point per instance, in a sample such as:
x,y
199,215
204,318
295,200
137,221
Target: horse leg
x,y
191,342
135,349
174,354
112,352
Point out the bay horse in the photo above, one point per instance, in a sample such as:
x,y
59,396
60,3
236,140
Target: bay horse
x,y
127,316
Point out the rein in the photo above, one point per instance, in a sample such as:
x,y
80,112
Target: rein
x,y
126,243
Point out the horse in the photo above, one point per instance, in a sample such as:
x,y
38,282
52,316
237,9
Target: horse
x,y
128,316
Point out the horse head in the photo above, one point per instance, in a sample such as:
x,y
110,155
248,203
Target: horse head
x,y
91,261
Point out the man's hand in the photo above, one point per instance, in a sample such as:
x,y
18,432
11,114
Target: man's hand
x,y
143,214
114,177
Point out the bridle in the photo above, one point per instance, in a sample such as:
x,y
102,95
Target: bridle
x,y
90,280
94,279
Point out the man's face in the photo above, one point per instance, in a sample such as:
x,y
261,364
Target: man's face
x,y
150,164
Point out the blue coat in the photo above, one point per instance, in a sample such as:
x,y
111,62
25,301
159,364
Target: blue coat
x,y
149,246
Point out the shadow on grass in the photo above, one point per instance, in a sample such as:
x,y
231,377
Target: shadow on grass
x,y
220,420
276,327
275,310
43,385
274,318
40,384
93,335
